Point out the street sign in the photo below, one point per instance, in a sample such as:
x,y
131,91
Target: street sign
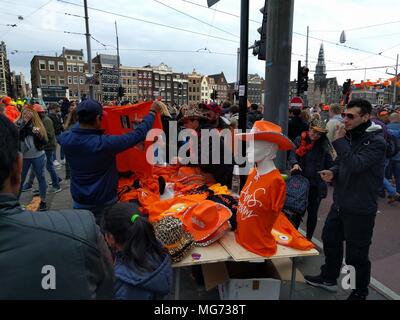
x,y
210,3
297,102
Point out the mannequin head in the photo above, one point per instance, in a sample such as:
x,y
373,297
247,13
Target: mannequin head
x,y
259,151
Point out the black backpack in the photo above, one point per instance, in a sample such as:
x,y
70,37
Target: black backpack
x,y
297,188
392,146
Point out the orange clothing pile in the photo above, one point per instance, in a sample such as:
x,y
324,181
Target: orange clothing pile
x,y
261,202
12,113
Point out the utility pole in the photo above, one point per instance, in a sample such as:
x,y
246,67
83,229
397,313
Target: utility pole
x,y
89,51
237,75
306,92
118,58
277,75
243,69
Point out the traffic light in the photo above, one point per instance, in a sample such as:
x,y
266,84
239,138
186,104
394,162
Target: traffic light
x,y
260,46
302,79
121,92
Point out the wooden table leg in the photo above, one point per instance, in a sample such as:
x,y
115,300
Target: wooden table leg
x,y
293,283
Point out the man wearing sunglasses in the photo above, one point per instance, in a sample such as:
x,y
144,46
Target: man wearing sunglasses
x,y
357,178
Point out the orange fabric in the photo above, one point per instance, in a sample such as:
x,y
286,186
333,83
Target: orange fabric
x,y
283,227
260,204
12,113
154,208
120,120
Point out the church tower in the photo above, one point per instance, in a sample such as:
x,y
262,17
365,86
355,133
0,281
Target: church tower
x,y
320,70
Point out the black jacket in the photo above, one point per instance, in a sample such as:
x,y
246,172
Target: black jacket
x,y
67,240
296,127
26,129
359,172
57,123
252,117
316,160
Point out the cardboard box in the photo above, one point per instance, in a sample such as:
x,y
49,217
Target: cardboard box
x,y
245,281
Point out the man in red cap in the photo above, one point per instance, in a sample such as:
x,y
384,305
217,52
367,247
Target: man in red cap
x,y
213,113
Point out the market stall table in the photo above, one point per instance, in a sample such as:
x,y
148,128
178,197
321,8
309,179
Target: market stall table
x,y
227,249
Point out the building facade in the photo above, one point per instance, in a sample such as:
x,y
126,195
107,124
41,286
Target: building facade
x,y
5,74
205,90
129,81
145,84
18,85
76,74
162,76
194,87
218,83
49,78
254,93
180,89
107,74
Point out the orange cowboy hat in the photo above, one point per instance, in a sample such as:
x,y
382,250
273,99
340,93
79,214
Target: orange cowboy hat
x,y
206,221
270,132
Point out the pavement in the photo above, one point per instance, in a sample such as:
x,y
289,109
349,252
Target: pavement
x,y
385,255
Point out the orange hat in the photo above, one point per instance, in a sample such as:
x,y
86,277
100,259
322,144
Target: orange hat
x,y
268,131
383,113
204,219
38,108
6,100
326,108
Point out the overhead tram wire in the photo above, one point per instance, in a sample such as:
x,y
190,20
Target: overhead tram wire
x,y
343,46
197,19
220,11
149,22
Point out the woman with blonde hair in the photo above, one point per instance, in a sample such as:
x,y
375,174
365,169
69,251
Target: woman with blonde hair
x,y
33,138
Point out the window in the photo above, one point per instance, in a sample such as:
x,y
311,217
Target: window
x,y
194,81
75,80
69,68
157,76
81,69
82,80
75,69
52,66
43,81
61,81
80,58
74,58
69,57
190,89
60,66
42,64
162,77
52,80
156,84
69,80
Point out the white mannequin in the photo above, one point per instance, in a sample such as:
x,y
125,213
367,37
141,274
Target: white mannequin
x,y
262,153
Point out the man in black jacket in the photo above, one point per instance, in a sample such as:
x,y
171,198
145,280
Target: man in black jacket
x,y
296,125
357,178
46,255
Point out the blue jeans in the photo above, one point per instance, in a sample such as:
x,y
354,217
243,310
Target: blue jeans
x,y
387,185
396,173
38,165
62,155
50,157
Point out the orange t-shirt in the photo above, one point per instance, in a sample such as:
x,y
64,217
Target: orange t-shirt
x,y
260,204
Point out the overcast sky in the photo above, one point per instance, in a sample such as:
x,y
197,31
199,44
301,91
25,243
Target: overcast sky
x,y
43,30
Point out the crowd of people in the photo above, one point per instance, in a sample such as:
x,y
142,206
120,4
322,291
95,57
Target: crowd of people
x,y
350,147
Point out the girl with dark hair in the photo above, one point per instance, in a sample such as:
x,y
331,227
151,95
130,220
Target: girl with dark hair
x,y
313,153
143,269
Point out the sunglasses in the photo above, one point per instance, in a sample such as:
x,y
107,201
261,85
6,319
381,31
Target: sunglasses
x,y
348,115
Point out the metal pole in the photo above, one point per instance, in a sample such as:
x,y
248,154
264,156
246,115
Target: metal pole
x,y
89,49
277,76
395,83
308,34
243,74
244,57
118,58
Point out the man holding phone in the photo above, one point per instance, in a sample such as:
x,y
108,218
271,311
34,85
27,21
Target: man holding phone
x,y
357,178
